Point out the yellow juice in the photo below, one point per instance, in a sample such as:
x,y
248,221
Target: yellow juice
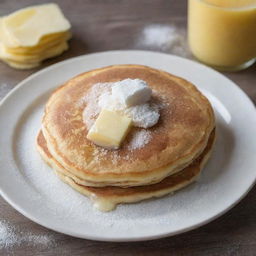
x,y
222,33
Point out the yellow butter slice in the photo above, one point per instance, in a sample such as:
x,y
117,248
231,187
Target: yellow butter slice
x,y
31,63
19,65
109,129
35,51
56,50
27,26
38,49
44,42
5,38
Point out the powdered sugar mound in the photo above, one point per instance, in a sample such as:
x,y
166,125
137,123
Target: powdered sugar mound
x,y
140,139
11,235
143,115
166,38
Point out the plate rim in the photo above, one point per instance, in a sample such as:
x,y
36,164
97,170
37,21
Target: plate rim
x,y
122,239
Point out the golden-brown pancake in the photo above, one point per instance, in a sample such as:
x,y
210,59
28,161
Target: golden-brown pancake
x,y
180,136
106,198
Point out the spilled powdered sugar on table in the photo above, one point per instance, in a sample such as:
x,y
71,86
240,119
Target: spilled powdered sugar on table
x,y
12,235
165,38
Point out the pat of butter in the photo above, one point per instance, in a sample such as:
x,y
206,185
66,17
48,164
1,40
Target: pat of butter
x,y
109,129
131,92
27,26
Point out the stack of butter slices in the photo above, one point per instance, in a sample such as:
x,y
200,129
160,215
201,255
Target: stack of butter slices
x,y
126,133
33,34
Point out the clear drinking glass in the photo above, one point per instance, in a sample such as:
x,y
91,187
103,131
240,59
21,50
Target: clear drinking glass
x,y
222,33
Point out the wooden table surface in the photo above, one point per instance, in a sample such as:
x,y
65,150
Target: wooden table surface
x,y
100,25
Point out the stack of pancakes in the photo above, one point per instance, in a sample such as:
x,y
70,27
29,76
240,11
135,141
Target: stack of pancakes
x,y
180,143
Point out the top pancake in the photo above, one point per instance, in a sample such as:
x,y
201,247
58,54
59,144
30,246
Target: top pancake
x,y
186,121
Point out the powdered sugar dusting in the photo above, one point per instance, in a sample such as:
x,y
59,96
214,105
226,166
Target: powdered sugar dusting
x,y
140,139
101,153
91,100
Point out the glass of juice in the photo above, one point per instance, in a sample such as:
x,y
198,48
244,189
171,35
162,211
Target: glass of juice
x,y
222,33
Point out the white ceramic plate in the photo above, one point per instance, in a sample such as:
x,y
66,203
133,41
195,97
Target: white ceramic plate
x,y
30,186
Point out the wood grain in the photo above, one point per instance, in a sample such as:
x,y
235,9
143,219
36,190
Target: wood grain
x,y
100,25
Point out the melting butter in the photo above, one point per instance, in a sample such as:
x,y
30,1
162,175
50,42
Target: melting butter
x,y
103,205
